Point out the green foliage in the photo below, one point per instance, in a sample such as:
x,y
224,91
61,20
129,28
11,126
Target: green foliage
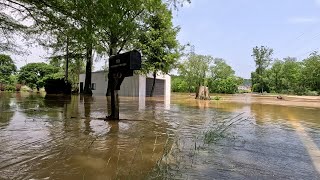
x,y
94,28
310,73
223,79
25,89
262,57
312,93
289,76
34,74
179,84
10,88
195,70
7,69
158,42
217,98
54,85
76,67
228,85
220,69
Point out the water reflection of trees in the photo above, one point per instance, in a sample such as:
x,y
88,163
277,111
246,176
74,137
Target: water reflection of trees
x,y
35,105
87,112
104,149
6,112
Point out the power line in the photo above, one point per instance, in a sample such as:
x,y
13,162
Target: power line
x,y
301,34
309,52
304,41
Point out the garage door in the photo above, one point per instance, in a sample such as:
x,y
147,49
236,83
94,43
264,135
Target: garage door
x,y
158,89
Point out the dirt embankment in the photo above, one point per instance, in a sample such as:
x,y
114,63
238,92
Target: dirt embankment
x,y
285,100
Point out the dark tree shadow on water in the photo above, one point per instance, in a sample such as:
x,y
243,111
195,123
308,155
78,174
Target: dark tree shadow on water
x,y
87,101
6,112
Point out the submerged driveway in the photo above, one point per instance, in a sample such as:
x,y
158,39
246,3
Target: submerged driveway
x,y
63,138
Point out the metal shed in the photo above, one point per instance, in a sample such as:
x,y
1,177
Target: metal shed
x,y
135,86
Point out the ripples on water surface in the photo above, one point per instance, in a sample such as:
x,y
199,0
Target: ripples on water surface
x,y
63,138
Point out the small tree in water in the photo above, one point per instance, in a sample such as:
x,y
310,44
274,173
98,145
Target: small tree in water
x,y
7,68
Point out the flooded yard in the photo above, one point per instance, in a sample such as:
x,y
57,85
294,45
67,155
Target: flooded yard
x,y
238,137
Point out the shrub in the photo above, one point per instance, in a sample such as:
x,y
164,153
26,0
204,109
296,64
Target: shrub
x,y
57,86
217,98
25,89
10,88
311,93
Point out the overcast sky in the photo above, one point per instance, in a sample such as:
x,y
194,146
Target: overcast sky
x,y
229,29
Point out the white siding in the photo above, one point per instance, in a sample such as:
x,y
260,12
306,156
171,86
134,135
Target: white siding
x,y
167,90
99,79
142,85
131,86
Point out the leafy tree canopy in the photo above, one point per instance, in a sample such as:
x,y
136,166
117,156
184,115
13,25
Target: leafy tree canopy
x,y
262,57
195,69
34,74
221,70
158,41
7,68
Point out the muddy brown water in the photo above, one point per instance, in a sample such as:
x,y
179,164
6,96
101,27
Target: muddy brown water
x,y
63,138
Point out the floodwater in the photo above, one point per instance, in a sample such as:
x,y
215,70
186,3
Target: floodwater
x,y
238,137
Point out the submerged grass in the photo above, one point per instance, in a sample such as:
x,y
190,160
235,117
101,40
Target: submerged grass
x,y
181,152
219,129
217,98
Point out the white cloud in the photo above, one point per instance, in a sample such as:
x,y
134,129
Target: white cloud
x,y
302,20
317,2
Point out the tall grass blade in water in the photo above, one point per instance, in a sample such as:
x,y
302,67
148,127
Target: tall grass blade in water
x,y
218,130
180,151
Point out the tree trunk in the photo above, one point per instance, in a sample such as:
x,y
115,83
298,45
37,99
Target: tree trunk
x,y
197,91
67,61
153,83
112,51
203,93
87,85
89,47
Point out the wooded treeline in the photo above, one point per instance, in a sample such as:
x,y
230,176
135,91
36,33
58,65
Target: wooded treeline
x,y
286,76
77,32
200,70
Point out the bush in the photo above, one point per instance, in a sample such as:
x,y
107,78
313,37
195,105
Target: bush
x,y
178,84
10,88
25,89
311,93
256,88
217,98
57,86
